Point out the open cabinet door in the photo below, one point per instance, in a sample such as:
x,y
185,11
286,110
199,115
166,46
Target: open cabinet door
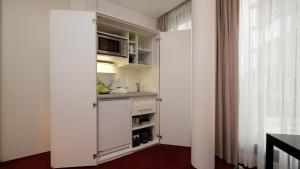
x,y
175,88
73,88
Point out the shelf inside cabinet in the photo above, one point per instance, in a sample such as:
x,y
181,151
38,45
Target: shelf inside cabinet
x,y
144,59
141,114
112,35
104,19
110,58
116,60
143,126
144,51
136,66
111,30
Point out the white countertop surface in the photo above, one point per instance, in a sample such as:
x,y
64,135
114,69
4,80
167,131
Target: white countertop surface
x,y
122,95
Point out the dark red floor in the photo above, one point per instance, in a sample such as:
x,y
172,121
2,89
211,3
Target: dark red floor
x,y
157,157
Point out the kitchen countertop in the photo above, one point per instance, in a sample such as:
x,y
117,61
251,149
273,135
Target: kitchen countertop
x,y
124,95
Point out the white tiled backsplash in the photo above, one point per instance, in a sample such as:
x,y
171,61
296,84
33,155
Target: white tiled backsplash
x,y
123,78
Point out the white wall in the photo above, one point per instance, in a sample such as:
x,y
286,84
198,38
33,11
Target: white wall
x,y
203,83
112,9
89,5
25,77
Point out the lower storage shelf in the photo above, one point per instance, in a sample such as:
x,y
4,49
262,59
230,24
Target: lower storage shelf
x,y
143,126
124,152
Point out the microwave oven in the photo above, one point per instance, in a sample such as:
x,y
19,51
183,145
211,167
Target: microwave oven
x,y
111,45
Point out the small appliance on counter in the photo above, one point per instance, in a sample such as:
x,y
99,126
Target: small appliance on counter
x,y
144,120
141,136
144,138
120,90
140,120
135,140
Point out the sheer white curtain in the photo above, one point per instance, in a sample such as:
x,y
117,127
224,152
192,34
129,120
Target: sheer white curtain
x,y
180,18
269,77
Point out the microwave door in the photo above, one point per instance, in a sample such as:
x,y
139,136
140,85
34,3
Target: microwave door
x,y
109,45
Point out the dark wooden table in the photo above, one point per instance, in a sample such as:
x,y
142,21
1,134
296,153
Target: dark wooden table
x,y
287,143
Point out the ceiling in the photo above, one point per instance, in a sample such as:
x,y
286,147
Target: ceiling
x,y
152,8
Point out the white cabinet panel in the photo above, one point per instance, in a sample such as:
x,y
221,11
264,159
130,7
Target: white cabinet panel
x,y
175,88
73,88
114,124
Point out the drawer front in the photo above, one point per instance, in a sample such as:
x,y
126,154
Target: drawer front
x,y
143,105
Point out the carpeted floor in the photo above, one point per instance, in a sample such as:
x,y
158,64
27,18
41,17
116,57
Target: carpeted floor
x,y
157,157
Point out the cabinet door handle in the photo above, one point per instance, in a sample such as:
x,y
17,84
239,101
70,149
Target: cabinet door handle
x,y
94,105
145,109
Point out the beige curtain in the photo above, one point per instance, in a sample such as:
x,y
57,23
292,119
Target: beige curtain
x,y
227,95
178,18
162,23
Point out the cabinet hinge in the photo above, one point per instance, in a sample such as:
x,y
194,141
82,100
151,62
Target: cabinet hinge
x,y
159,136
94,20
95,156
94,105
159,99
158,39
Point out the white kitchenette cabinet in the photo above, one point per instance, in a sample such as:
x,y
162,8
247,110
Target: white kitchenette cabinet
x,y
80,119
